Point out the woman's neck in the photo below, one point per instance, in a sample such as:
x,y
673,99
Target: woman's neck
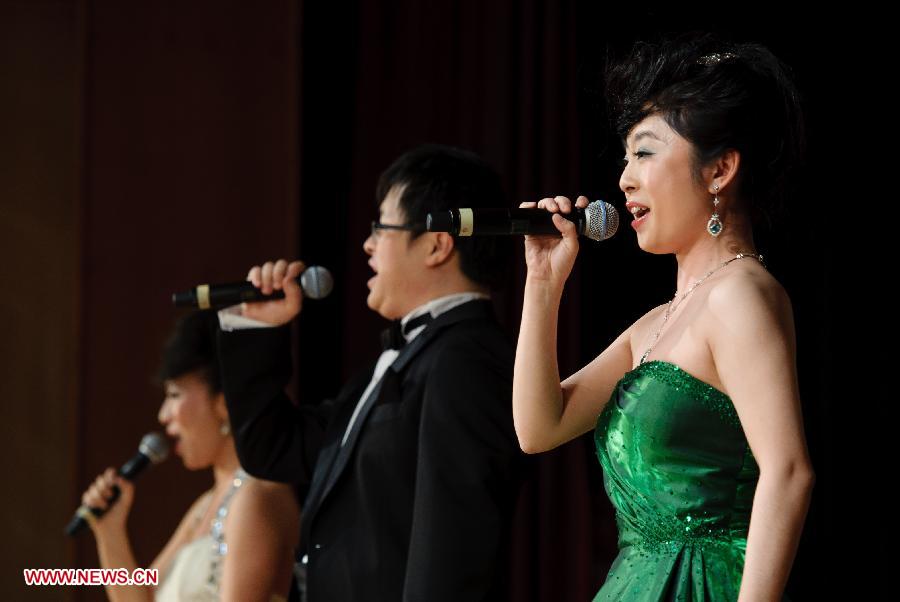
x,y
708,253
226,464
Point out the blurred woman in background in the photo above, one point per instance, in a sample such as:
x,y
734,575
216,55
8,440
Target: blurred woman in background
x,y
236,541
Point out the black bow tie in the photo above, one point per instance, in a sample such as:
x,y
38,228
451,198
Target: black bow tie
x,y
394,336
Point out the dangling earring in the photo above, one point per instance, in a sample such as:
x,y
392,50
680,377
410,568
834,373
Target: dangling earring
x,y
714,226
225,429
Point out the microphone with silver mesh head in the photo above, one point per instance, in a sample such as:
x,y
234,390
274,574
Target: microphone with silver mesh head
x,y
315,281
598,221
153,449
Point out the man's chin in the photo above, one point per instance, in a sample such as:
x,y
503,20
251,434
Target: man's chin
x,y
379,307
374,302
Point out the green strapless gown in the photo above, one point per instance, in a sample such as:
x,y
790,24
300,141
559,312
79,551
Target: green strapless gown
x,y
681,476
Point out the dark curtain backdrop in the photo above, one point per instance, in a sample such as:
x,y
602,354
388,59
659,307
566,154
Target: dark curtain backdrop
x,y
519,83
150,146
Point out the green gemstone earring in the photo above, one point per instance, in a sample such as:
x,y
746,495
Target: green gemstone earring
x,y
714,226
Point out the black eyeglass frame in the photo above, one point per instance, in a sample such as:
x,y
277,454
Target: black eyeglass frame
x,y
410,227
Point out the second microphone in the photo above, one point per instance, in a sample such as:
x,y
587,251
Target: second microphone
x,y
315,281
598,221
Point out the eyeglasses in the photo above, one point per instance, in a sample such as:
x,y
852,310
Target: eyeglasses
x,y
377,227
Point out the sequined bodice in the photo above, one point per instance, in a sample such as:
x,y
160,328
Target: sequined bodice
x,y
679,473
196,570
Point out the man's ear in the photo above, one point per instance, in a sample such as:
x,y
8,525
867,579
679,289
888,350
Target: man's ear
x,y
440,249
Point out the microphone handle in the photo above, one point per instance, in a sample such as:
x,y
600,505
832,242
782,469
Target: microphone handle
x,y
79,523
129,470
134,466
316,283
223,295
494,222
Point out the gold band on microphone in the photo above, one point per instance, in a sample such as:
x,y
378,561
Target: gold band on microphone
x,y
466,221
203,296
88,516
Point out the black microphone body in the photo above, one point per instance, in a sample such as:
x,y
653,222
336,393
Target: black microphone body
x,y
315,281
598,221
134,466
493,222
153,449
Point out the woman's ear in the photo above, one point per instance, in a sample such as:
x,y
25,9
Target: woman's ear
x,y
724,170
441,248
219,406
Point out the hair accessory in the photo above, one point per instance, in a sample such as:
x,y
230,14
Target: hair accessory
x,y
715,58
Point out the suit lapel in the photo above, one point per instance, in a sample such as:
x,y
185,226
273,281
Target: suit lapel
x,y
333,465
328,453
344,451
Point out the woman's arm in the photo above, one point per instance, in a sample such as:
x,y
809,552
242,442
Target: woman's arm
x,y
753,345
113,545
261,531
548,413
553,414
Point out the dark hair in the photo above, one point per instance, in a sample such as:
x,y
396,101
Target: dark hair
x,y
435,178
192,348
747,102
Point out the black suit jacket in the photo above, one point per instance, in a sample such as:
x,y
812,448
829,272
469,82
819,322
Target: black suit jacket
x,y
416,505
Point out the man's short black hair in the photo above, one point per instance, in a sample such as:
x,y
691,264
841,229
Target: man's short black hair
x,y
435,178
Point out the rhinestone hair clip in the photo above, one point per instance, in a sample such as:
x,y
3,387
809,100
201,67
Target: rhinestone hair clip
x,y
715,58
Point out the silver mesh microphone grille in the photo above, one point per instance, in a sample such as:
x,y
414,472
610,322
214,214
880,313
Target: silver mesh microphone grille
x,y
602,222
155,447
316,282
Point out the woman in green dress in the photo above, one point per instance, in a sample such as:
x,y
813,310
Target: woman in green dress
x,y
695,407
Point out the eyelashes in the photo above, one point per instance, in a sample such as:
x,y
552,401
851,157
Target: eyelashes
x,y
624,161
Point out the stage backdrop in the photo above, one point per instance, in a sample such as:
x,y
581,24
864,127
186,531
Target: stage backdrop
x,y
151,146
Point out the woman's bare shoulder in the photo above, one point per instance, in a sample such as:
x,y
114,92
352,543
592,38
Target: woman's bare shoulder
x,y
751,287
265,500
269,491
755,296
264,507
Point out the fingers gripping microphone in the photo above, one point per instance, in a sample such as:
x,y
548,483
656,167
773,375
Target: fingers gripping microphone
x,y
598,221
153,449
315,281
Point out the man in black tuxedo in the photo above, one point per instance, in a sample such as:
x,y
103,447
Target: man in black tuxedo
x,y
413,468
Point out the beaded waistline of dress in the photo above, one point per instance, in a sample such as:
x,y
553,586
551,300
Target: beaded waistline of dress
x,y
674,532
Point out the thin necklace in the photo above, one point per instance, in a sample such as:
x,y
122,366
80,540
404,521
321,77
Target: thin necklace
x,y
670,308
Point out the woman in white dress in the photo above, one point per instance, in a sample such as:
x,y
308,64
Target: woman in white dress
x,y
236,541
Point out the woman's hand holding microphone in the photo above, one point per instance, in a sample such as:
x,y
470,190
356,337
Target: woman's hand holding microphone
x,y
550,259
102,496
